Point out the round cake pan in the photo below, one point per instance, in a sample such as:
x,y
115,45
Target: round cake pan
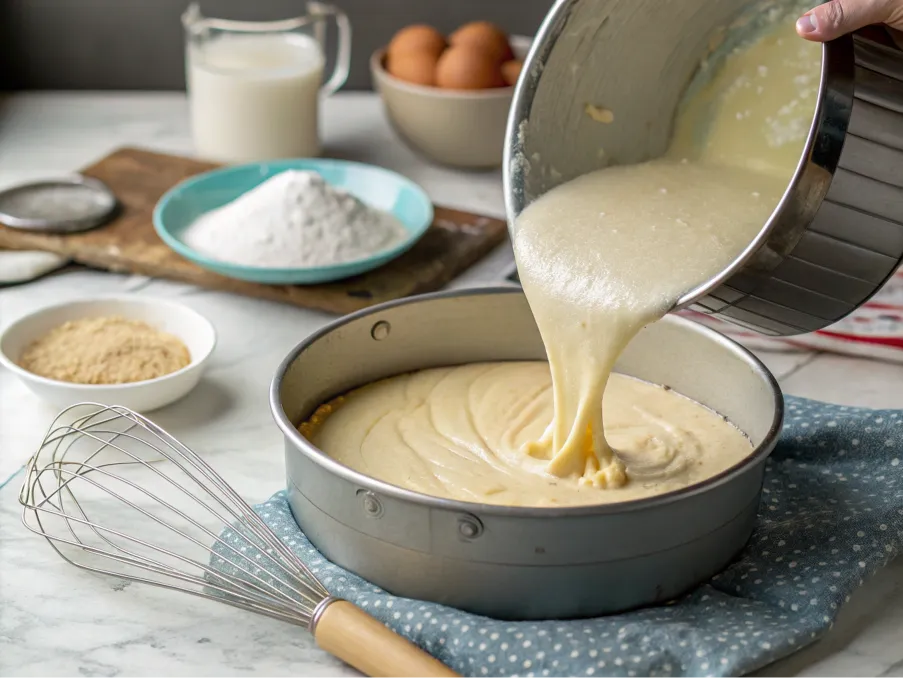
x,y
837,233
515,562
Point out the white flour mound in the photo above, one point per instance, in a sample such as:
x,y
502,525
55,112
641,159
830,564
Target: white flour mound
x,y
293,220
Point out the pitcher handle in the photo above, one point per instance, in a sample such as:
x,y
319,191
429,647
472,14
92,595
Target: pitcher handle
x,y
343,52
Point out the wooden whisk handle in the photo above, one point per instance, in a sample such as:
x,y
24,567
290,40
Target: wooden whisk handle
x,y
352,635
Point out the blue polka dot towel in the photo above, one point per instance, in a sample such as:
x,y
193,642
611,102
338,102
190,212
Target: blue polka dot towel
x,y
831,514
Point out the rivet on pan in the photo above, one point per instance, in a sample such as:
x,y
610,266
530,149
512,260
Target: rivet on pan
x,y
372,505
470,527
380,330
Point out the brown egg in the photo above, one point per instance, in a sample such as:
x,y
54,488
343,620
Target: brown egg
x,y
486,35
418,67
417,38
511,71
468,67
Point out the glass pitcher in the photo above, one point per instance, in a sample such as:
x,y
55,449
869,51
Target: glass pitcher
x,y
254,87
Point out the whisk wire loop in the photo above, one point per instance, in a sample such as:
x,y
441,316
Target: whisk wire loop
x,y
93,453
132,558
160,515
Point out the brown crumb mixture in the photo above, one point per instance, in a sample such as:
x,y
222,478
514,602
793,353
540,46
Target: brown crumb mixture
x,y
312,426
108,350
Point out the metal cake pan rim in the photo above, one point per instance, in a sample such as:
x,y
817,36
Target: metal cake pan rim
x,y
314,454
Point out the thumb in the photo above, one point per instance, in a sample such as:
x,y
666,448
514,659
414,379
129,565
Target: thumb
x,y
839,17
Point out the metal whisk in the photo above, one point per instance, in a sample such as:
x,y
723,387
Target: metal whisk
x,y
114,493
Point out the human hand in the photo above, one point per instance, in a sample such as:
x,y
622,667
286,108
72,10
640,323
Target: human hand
x,y
839,17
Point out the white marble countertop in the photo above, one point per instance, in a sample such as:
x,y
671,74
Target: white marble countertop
x,y
56,620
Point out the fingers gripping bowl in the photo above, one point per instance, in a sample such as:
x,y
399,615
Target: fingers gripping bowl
x,y
512,562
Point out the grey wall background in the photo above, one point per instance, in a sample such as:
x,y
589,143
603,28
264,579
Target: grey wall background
x,y
138,44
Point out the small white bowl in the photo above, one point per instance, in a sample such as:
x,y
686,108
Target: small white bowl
x,y
458,128
192,328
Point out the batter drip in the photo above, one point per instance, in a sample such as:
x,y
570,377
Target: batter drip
x,y
603,255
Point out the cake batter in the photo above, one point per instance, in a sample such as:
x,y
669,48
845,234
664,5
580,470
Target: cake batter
x,y
605,254
599,258
460,432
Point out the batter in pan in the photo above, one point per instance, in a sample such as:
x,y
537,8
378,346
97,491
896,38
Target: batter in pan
x,y
465,433
599,258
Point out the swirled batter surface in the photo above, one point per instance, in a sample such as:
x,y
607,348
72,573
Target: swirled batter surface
x,y
468,433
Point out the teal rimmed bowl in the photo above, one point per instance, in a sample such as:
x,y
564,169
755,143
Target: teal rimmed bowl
x,y
377,187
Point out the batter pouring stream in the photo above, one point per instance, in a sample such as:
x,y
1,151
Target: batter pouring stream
x,y
605,254
599,257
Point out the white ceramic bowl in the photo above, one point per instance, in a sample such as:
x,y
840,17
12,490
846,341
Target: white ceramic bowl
x,y
457,128
192,328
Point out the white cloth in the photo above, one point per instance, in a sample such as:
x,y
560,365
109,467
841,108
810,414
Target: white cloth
x,y
19,267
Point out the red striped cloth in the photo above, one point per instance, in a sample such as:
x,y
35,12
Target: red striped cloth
x,y
874,330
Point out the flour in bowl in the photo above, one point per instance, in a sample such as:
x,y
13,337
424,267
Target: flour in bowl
x,y
294,220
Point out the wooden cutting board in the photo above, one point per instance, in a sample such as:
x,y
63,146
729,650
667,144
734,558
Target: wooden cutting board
x,y
129,244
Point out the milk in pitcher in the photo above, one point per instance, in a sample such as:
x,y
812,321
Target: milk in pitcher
x,y
255,96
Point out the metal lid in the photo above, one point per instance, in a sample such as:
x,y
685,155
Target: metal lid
x,y
69,205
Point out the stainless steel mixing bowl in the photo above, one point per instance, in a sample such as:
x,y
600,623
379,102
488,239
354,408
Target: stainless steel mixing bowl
x,y
837,233
509,562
